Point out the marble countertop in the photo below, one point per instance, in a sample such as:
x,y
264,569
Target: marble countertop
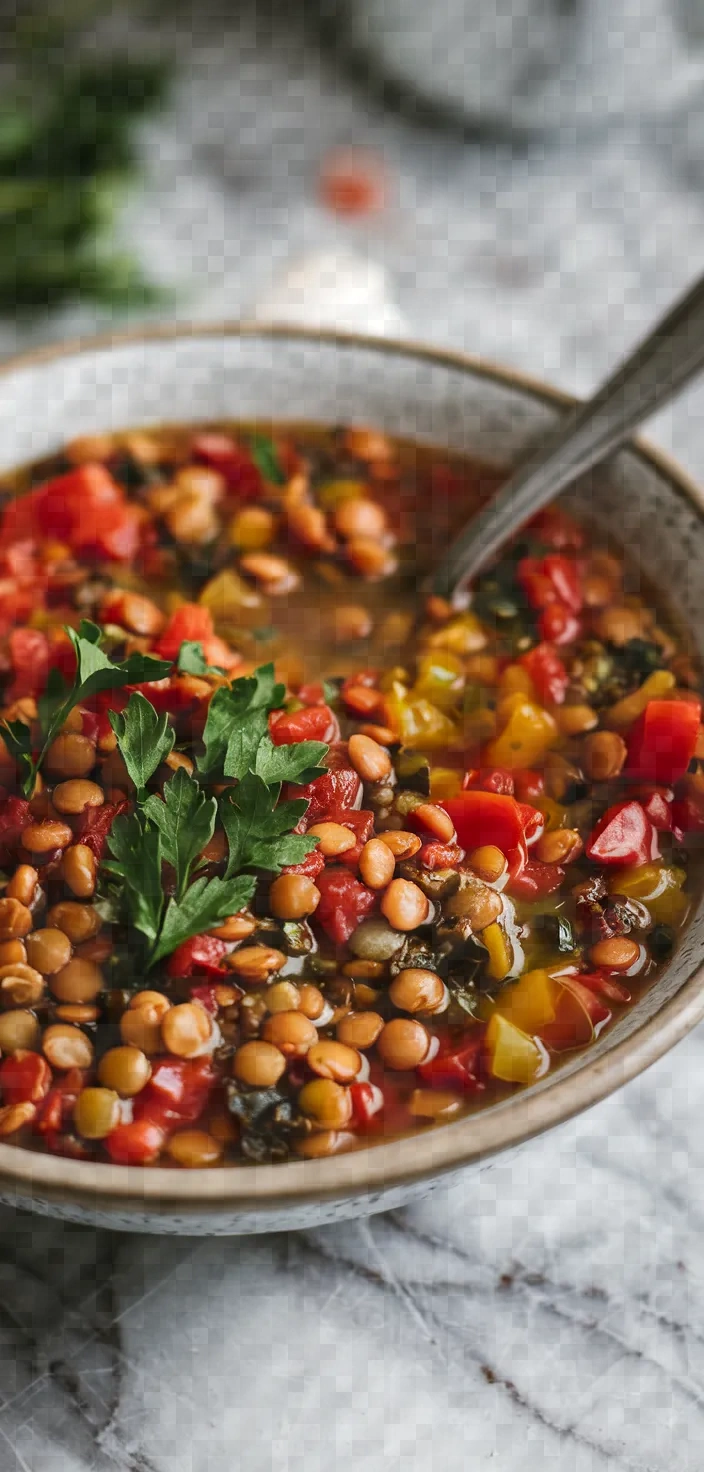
x,y
549,1312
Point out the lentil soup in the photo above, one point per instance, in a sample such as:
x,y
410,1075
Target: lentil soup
x,y
296,858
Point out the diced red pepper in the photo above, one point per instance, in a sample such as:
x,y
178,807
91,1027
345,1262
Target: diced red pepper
x,y
491,779
360,822
623,836
202,954
313,723
661,744
367,1101
563,573
440,855
534,582
135,1142
339,787
657,804
455,1067
532,880
312,694
57,1109
605,986
556,528
533,823
189,622
529,786
25,1078
359,693
343,903
485,818
15,816
548,673
178,1091
244,479
311,866
558,624
85,508
94,824
29,657
580,1012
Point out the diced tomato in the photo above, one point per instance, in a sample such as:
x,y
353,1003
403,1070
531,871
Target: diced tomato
x,y
485,818
343,903
25,1078
580,1012
311,866
491,779
529,785
29,657
94,824
440,855
558,624
189,622
15,816
605,986
57,1109
533,880
367,1101
661,744
85,508
359,693
116,535
178,1091
135,1142
313,723
456,1066
312,694
547,672
563,573
657,805
360,822
623,836
688,809
533,823
218,653
202,953
534,582
244,479
340,786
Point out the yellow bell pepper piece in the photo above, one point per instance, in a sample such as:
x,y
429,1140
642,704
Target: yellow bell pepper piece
x,y
513,1056
531,1001
516,681
227,594
500,952
462,635
658,886
332,493
626,711
444,782
555,813
417,723
526,732
440,679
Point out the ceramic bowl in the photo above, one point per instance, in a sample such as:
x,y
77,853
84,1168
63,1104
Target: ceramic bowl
x,y
641,499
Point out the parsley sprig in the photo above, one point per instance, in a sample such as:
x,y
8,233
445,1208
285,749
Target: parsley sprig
x,y
95,671
176,828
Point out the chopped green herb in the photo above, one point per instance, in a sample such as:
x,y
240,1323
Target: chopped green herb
x,y
266,459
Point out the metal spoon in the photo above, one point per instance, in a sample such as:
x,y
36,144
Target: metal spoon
x,y
671,354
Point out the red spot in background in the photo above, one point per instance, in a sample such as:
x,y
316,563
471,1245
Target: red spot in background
x,y
353,182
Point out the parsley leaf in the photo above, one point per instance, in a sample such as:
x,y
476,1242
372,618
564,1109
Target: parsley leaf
x,y
298,762
206,903
192,661
136,850
230,708
18,740
258,828
144,738
265,456
244,743
185,817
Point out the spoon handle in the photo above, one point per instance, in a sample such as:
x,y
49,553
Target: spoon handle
x,y
663,362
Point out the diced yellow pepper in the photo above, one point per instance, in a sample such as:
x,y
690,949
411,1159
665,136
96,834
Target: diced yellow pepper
x,y
227,594
530,1002
417,723
463,635
526,732
440,679
332,493
513,1056
626,711
658,886
444,783
555,813
515,680
500,953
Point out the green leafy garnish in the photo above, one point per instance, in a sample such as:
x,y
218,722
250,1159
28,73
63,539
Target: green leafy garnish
x,y
266,459
186,820
207,903
94,672
259,828
144,738
299,762
136,850
243,706
192,661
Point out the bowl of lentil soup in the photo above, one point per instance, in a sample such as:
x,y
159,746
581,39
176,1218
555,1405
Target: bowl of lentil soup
x,y
314,889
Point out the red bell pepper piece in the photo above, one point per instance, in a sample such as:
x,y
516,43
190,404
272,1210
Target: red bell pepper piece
x,y
558,624
202,953
547,672
15,816
29,657
661,743
25,1078
531,879
455,1067
623,836
340,786
135,1142
189,622
657,804
311,866
312,694
177,1092
556,528
563,573
436,855
491,779
57,1109
343,903
94,825
605,986
533,823
360,822
86,508
313,723
367,1100
529,785
485,818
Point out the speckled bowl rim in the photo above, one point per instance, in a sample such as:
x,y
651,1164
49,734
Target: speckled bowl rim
x,y
417,1157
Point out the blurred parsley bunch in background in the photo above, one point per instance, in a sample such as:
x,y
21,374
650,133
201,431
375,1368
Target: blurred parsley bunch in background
x,y
68,116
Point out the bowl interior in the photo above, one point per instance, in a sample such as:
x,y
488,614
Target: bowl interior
x,y
639,500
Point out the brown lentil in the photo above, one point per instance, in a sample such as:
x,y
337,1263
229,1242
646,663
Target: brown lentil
x,y
194,1149
370,761
573,720
12,952
333,839
78,981
403,844
141,1026
79,922
49,951
360,1029
417,990
604,754
255,964
124,1069
187,1030
488,863
403,1043
404,905
376,864
283,996
293,896
327,1104
79,870
323,1143
293,1033
434,1104
14,1117
70,755
19,1029
259,1064
75,796
21,986
78,1012
559,846
23,884
311,1001
15,919
334,1060
66,1047
618,953
96,1112
436,820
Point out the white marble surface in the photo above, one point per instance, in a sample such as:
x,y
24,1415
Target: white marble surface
x,y
550,1313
